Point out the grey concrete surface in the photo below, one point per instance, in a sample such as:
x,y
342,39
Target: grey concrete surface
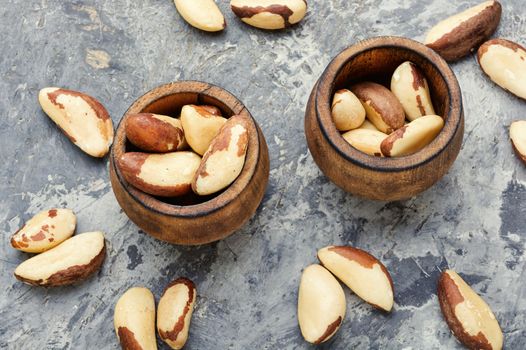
x,y
473,220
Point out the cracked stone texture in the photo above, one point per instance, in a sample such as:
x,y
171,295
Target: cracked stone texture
x,y
473,220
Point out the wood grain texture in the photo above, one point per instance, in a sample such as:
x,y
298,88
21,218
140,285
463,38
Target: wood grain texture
x,y
374,177
208,219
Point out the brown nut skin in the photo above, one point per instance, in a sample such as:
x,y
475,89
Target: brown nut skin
x,y
468,34
154,133
450,296
57,267
165,175
382,107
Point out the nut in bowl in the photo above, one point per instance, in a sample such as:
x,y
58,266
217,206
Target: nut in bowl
x,y
179,196
391,165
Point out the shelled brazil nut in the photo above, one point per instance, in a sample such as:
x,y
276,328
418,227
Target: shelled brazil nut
x,y
165,175
201,14
269,14
381,106
410,87
70,262
174,312
45,230
467,314
82,118
222,142
505,63
223,161
365,275
411,137
386,132
154,132
347,111
366,140
321,304
455,37
201,124
134,319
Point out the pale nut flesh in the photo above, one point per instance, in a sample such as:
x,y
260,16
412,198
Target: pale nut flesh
x,y
45,230
410,87
365,275
367,125
347,110
174,312
321,304
269,14
81,118
72,261
467,314
381,106
224,159
200,125
366,140
518,138
165,175
134,320
412,137
505,63
201,14
154,132
455,37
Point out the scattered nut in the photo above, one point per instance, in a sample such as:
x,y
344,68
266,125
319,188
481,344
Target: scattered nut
x,y
224,159
467,315
134,320
321,304
366,140
518,138
165,175
505,63
456,36
269,14
45,230
362,273
80,117
201,14
174,312
412,137
72,261
381,105
410,87
200,124
347,110
154,132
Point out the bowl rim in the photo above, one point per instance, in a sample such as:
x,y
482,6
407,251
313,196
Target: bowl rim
x,y
224,198
323,99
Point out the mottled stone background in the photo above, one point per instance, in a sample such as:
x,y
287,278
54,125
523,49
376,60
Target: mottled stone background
x,y
473,220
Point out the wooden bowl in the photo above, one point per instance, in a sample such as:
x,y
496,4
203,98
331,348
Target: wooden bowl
x,y
386,179
192,220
